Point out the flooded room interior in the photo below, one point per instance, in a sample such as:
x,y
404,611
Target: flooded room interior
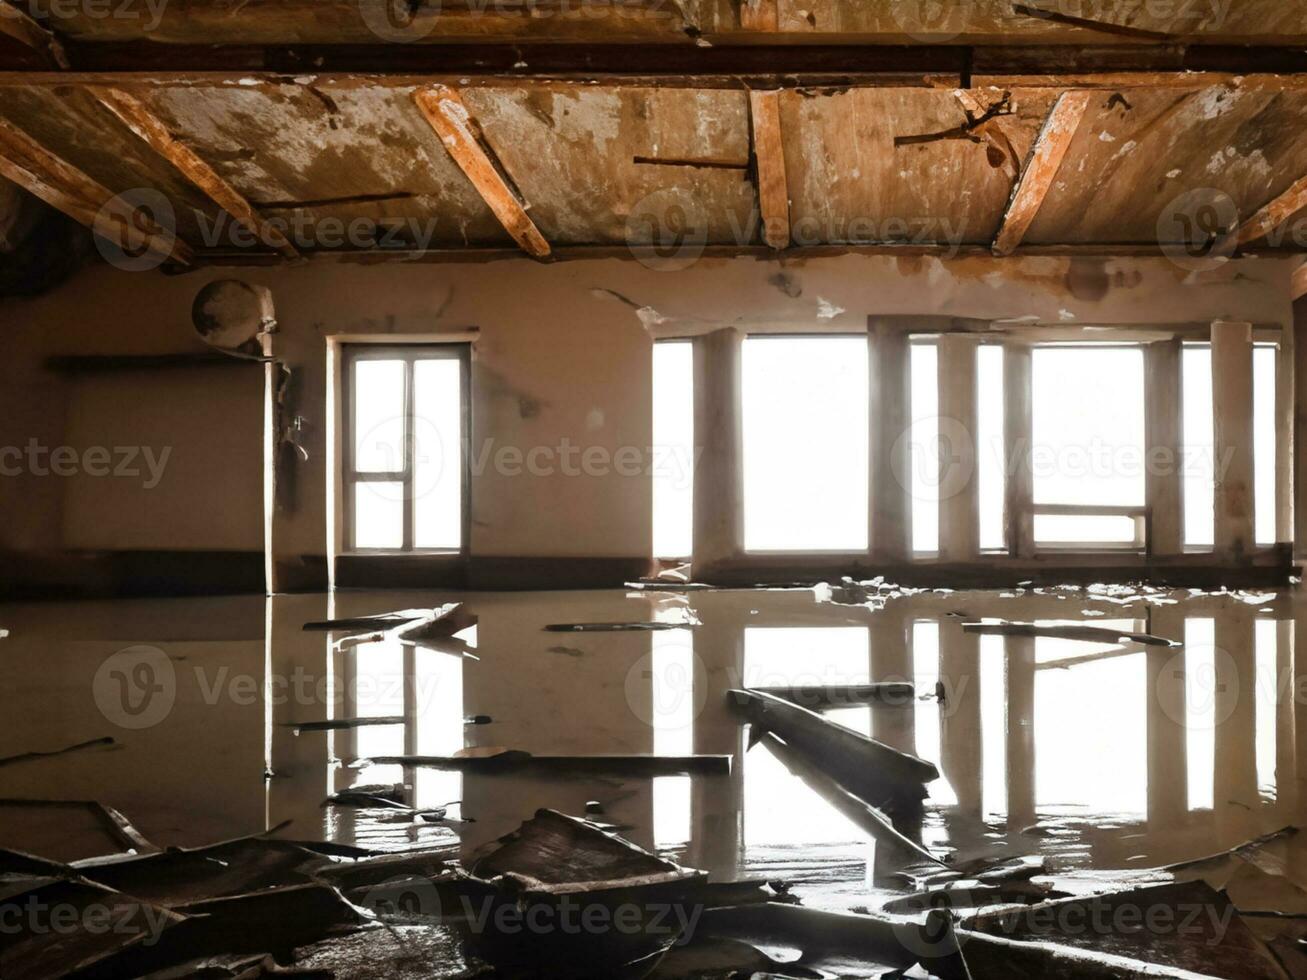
x,y
653,489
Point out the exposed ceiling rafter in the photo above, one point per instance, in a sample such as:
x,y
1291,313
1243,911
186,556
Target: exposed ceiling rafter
x,y
1274,213
64,187
453,122
1040,170
19,25
137,117
769,154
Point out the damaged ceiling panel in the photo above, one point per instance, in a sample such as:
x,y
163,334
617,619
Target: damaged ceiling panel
x,y
341,154
350,165
850,182
70,124
1139,152
618,165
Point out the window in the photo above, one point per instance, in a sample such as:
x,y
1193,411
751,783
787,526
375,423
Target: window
x,y
1088,449
673,448
805,443
405,480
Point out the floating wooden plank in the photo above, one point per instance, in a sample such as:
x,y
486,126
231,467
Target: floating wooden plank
x,y
769,154
508,760
821,697
18,24
67,189
10,760
450,117
871,770
1067,631
1274,214
1042,164
342,724
149,128
860,812
641,627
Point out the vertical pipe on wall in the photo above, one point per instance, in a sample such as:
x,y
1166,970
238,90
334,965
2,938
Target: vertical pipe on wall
x,y
890,403
1164,414
718,427
1018,424
959,499
1232,410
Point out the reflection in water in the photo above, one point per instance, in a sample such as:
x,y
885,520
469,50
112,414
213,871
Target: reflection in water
x,y
1094,753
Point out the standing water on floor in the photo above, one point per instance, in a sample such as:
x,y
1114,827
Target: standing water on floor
x,y
1097,755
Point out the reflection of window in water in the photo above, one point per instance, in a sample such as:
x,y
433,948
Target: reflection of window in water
x,y
672,697
1200,709
1087,756
779,808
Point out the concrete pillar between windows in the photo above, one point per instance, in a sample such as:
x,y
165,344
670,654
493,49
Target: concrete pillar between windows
x,y
719,434
1232,409
959,500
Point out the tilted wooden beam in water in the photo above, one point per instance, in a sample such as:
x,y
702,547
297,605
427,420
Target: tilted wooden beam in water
x,y
1067,631
871,770
820,697
867,817
617,627
341,724
507,760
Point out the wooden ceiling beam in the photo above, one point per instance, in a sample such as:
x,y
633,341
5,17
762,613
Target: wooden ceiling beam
x,y
1040,170
1274,214
769,156
19,25
447,113
85,200
151,130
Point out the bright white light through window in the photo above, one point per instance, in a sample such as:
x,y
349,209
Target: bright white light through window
x,y
1264,443
437,454
1198,458
924,443
805,443
990,464
404,485
673,449
1088,439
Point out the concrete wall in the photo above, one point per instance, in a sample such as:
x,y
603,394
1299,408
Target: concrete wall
x,y
563,353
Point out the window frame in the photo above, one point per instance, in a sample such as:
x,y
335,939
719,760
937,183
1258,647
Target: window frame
x,y
352,354
1138,513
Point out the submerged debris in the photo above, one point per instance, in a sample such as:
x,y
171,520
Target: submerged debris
x,y
871,770
492,759
825,697
105,741
1067,631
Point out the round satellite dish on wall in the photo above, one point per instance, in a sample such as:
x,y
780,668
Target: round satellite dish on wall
x,y
230,315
